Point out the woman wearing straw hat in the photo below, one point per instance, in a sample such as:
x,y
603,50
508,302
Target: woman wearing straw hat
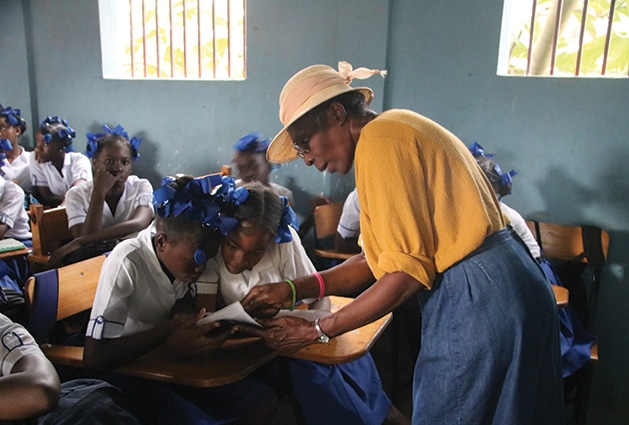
x,y
431,226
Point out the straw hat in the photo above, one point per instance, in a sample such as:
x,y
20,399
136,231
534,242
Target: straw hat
x,y
306,90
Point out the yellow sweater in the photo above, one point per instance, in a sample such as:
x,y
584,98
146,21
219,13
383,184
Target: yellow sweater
x,y
424,202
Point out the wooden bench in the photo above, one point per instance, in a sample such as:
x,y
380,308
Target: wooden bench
x,y
50,231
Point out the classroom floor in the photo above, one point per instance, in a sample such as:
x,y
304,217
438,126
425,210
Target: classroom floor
x,y
381,353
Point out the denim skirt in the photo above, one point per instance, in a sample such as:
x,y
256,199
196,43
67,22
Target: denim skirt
x,y
490,342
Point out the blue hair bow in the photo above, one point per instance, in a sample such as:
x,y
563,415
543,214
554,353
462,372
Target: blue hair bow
x,y
197,201
288,219
13,116
65,134
92,141
5,145
254,141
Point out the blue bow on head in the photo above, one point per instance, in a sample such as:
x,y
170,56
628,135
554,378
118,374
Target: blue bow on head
x,y
288,219
196,201
92,141
65,134
254,141
13,116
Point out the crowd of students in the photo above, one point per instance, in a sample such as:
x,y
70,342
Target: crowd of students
x,y
179,240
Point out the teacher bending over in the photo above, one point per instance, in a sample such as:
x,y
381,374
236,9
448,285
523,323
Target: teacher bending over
x,y
432,228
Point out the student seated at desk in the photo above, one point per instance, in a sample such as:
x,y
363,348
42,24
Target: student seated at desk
x,y
30,391
13,224
114,205
140,283
15,167
57,168
266,248
348,229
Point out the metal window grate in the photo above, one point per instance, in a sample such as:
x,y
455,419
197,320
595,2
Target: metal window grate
x,y
568,37
174,39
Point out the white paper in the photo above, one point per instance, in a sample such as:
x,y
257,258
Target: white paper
x,y
234,312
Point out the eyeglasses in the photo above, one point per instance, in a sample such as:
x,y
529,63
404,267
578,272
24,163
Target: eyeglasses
x,y
301,152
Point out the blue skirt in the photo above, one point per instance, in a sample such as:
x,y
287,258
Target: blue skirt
x,y
490,342
348,393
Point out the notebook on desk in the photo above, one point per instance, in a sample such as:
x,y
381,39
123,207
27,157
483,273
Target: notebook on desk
x,y
10,244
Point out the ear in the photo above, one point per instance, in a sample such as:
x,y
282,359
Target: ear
x,y
338,112
94,162
160,241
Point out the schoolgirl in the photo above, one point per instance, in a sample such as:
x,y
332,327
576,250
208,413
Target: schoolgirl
x,y
57,168
115,205
265,248
15,167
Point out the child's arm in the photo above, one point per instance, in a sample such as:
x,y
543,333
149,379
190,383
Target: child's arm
x,y
182,337
46,197
31,389
102,355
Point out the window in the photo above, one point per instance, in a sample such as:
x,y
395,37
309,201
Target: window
x,y
173,39
565,38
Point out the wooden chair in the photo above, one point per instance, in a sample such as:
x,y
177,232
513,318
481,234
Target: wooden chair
x,y
326,220
50,231
57,294
589,246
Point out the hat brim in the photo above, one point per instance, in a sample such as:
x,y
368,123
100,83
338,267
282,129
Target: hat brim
x,y
281,149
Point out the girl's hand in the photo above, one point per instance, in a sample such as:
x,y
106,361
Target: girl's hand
x,y
285,334
264,301
59,254
103,180
188,339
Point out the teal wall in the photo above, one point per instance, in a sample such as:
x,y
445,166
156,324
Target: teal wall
x,y
566,137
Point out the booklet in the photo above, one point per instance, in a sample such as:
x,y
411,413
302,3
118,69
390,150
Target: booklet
x,y
236,313
10,244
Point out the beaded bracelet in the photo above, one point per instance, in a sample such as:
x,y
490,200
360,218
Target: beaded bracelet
x,y
292,287
321,284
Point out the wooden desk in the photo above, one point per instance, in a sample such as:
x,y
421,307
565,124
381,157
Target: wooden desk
x,y
234,361
17,252
349,346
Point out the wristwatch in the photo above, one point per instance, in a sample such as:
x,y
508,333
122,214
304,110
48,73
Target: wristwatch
x,y
323,338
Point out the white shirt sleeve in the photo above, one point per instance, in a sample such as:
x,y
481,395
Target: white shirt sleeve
x,y
81,168
16,343
519,225
11,202
349,223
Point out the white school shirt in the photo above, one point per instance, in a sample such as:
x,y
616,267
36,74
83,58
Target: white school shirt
x,y
76,166
12,212
16,343
137,193
133,294
520,227
280,261
349,223
18,170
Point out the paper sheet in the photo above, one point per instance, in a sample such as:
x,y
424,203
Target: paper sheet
x,y
235,312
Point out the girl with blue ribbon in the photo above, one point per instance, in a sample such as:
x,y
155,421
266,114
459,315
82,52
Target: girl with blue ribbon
x,y
57,168
15,167
143,301
263,248
114,206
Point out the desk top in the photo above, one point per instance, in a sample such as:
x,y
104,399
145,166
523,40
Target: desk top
x,y
348,346
234,361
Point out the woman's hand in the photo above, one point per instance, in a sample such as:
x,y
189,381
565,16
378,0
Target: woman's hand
x,y
285,334
264,301
188,339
